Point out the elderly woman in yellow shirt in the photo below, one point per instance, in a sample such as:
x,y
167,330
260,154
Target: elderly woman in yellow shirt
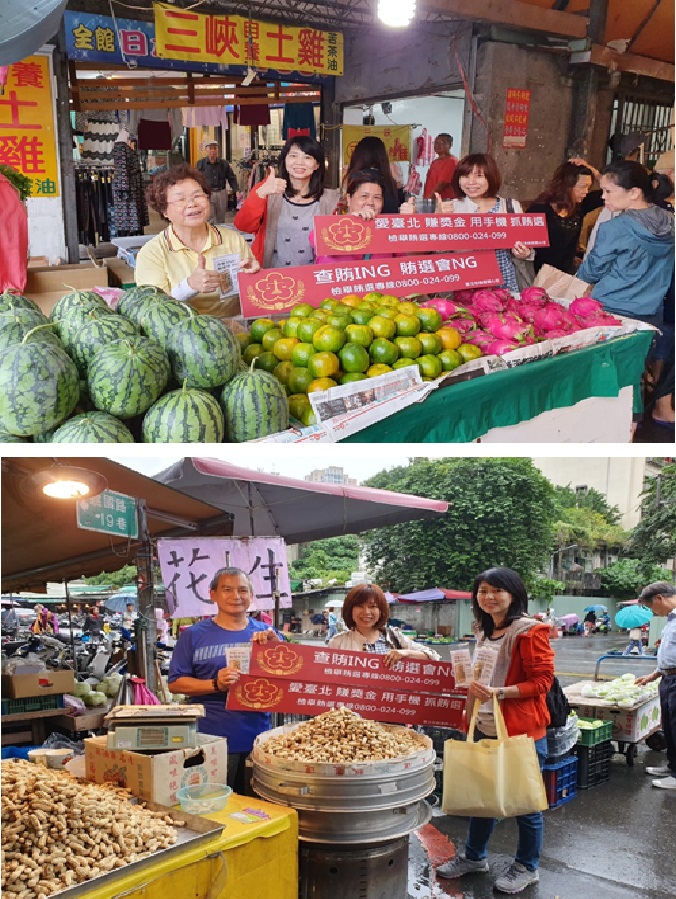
x,y
181,259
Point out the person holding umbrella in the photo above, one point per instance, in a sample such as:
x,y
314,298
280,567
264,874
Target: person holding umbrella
x,y
633,618
660,599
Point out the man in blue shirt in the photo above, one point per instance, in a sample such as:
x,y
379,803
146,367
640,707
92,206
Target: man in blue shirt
x,y
208,659
660,598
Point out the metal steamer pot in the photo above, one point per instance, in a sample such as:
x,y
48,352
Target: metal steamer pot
x,y
349,804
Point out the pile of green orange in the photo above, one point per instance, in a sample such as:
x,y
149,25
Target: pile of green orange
x,y
349,340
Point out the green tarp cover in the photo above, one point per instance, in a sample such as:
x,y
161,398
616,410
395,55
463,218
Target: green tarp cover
x,y
462,412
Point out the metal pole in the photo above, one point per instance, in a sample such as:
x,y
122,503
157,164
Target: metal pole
x,y
70,625
146,636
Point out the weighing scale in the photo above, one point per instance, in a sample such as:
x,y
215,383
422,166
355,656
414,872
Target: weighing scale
x,y
153,727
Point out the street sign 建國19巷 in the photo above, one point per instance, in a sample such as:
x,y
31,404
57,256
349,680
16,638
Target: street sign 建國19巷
x,y
110,513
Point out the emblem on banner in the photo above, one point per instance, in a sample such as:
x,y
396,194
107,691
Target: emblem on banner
x,y
275,291
258,694
347,234
280,660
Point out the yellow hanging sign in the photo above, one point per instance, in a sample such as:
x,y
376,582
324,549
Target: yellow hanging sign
x,y
397,140
27,132
237,41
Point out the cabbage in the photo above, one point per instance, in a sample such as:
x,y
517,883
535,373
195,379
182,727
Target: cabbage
x,y
81,690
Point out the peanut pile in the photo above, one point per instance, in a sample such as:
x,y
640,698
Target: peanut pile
x,y
58,832
342,735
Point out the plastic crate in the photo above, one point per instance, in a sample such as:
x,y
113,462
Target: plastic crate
x,y
599,734
560,740
560,781
593,764
32,704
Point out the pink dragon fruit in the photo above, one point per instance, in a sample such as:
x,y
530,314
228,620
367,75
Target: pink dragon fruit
x,y
446,308
507,327
585,307
463,325
463,296
479,338
553,316
557,332
500,347
487,301
536,295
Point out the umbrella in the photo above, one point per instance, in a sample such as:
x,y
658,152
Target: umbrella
x,y
597,608
633,616
569,618
118,602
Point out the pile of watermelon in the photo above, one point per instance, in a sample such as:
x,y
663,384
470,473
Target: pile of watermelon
x,y
153,370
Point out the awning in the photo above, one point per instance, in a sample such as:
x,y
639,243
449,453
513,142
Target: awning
x,y
434,594
41,540
299,511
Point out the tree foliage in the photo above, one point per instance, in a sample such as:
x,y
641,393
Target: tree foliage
x,y
121,578
627,577
567,498
501,513
654,538
332,558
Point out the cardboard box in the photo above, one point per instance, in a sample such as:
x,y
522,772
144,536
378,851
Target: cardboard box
x,y
120,274
629,725
21,686
48,284
159,775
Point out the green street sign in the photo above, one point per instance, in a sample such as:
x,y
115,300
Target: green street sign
x,y
110,513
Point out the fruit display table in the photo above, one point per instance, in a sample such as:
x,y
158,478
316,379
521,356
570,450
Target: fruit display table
x,y
605,378
257,858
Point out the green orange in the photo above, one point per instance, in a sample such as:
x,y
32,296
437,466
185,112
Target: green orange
x,y
430,318
430,366
339,319
351,376
404,363
352,299
379,368
409,347
259,327
388,300
308,417
243,339
360,333
373,297
383,327
406,307
387,312
323,365
267,361
329,303
407,325
284,347
270,338
301,310
290,327
302,353
329,339
254,349
354,358
450,359
431,343
282,371
298,403
299,380
307,329
450,338
321,384
382,350
467,352
361,316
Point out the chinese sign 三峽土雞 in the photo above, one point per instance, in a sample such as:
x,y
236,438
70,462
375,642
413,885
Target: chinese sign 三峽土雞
x,y
27,133
188,565
238,40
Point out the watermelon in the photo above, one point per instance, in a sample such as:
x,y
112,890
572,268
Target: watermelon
x,y
255,405
187,415
38,387
93,427
6,437
127,376
15,325
79,300
130,298
11,301
70,326
97,331
155,318
203,351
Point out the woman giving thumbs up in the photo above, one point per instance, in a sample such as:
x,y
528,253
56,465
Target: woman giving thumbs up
x,y
280,210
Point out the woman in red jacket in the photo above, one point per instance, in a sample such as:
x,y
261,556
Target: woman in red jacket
x,y
523,674
281,209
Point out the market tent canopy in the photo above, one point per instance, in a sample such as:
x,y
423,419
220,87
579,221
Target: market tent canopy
x,y
41,540
25,27
266,505
434,594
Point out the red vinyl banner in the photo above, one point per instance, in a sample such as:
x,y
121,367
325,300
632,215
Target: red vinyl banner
x,y
271,694
426,233
306,680
278,290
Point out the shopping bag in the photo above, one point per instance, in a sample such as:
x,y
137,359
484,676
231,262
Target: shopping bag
x,y
492,778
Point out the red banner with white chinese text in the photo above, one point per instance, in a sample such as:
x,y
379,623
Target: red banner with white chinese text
x,y
517,111
275,291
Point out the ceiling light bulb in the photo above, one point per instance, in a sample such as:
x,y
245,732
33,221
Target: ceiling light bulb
x,y
66,489
396,13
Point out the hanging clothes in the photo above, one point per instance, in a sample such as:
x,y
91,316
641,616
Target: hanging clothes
x,y
131,212
94,204
252,116
300,119
13,238
99,132
154,135
205,116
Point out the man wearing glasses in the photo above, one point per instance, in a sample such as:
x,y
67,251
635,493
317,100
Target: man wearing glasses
x,y
660,598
